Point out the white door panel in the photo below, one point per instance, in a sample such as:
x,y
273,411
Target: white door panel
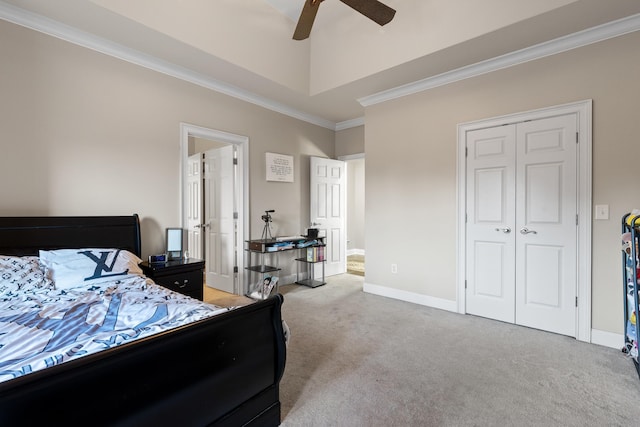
x,y
490,219
546,258
194,206
328,210
219,217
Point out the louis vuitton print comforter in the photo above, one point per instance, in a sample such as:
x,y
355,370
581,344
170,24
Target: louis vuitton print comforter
x,y
65,305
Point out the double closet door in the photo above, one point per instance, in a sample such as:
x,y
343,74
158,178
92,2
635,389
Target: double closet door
x,y
521,248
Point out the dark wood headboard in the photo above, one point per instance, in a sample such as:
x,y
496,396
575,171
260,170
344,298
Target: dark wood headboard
x,y
26,235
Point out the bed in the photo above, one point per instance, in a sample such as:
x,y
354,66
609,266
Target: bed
x,y
223,369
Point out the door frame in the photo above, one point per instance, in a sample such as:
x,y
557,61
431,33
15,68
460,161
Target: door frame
x,y
242,144
583,111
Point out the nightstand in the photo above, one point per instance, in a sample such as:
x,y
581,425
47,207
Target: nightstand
x,y
184,275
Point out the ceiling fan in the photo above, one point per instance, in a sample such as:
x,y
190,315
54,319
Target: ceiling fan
x,y
372,9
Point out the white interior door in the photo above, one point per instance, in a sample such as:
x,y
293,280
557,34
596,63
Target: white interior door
x,y
328,210
521,223
194,206
220,222
490,222
546,222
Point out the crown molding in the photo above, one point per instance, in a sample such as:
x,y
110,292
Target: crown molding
x,y
67,33
552,47
347,124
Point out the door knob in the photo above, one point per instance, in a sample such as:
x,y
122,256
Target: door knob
x,y
505,230
525,230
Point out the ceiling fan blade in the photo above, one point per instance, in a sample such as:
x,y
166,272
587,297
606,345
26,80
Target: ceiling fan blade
x,y
378,12
305,22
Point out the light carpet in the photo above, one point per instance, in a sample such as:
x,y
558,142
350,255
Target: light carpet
x,y
356,359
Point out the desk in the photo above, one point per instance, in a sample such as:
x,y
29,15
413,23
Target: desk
x,y
267,264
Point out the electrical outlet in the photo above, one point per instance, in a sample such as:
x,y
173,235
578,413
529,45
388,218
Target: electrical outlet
x,y
394,268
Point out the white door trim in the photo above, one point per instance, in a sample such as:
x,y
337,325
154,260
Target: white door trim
x,y
242,144
583,110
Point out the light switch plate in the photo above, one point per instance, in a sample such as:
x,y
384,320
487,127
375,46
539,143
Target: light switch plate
x,y
602,211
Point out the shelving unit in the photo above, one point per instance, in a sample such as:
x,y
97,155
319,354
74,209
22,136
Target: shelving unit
x,y
314,255
631,274
262,262
266,265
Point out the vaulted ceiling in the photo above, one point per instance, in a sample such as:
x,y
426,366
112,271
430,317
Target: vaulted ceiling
x,y
245,48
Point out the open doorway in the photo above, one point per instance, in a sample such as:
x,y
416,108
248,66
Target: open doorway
x,y
215,203
355,214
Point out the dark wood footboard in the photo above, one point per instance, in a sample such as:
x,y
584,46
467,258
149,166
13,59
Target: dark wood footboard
x,y
220,371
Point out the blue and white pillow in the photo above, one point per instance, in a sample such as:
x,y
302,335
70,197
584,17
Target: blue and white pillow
x,y
71,268
21,274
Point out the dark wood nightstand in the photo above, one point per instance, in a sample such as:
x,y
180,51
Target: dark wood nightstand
x,y
184,275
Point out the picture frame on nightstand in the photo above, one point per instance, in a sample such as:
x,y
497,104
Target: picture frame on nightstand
x,y
175,243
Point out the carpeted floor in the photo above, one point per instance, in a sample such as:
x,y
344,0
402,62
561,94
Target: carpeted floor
x,y
357,359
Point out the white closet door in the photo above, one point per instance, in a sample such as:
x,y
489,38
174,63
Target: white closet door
x,y
490,222
521,223
546,242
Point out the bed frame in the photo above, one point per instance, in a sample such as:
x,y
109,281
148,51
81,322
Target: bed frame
x,y
221,371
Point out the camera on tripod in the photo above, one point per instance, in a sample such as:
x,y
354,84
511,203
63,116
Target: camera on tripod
x,y
266,231
267,217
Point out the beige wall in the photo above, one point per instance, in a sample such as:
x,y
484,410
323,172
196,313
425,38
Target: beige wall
x,y
350,141
86,134
411,185
355,204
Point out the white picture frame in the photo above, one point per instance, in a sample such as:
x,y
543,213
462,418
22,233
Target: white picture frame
x,y
279,167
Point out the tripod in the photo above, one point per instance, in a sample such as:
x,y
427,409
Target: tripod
x,y
266,231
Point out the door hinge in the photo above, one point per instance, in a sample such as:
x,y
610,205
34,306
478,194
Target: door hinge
x,y
577,138
235,161
235,215
466,151
577,219
576,301
465,283
235,268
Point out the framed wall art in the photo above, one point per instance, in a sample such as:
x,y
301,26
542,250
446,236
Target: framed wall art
x,y
279,167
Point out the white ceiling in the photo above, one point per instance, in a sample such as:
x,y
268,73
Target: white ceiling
x,y
244,47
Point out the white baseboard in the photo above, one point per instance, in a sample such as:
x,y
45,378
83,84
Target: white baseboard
x,y
413,297
603,338
607,339
355,252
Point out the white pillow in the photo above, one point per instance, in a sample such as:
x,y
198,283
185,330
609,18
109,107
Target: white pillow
x,y
21,274
70,268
